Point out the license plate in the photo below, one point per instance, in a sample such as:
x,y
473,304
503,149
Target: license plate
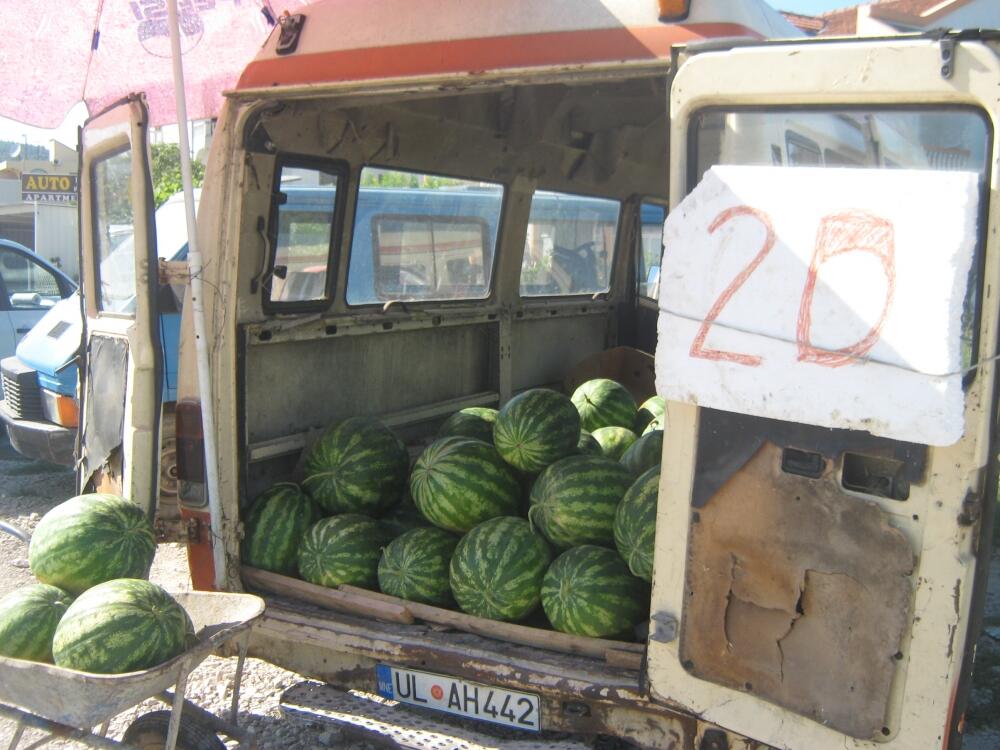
x,y
459,697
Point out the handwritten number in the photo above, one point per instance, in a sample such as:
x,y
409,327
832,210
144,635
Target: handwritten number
x,y
840,233
698,348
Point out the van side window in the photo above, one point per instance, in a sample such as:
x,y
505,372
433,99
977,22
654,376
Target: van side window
x,y
651,218
422,237
302,230
569,245
114,225
802,151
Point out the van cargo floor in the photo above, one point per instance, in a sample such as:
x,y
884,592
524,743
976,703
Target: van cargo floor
x,y
390,724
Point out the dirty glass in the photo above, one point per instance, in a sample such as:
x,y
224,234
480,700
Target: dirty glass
x,y
651,217
114,219
896,138
422,237
306,208
569,246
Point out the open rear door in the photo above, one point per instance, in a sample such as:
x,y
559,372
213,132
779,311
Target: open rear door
x,y
122,376
827,336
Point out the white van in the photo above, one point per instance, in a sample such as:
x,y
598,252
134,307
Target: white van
x,y
847,620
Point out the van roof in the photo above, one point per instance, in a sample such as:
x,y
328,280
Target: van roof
x,y
346,41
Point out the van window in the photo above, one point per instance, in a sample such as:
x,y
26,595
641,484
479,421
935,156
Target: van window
x,y
569,245
422,237
29,284
305,211
651,218
114,216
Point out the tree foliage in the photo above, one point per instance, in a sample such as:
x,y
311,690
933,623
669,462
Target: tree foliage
x,y
167,171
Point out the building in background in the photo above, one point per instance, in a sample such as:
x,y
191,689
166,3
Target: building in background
x,y
888,17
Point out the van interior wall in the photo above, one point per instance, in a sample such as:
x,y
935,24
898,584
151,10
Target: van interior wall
x,y
605,139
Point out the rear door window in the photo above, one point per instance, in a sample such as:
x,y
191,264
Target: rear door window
x,y
651,218
569,245
422,237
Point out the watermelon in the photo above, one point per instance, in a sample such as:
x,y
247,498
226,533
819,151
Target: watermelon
x,y
536,428
90,539
474,422
573,501
589,591
650,413
459,482
401,518
415,566
119,626
343,549
359,466
644,453
28,619
587,445
614,441
274,527
604,403
635,524
497,569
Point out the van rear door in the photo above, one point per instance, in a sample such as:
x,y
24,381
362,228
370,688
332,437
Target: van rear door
x,y
827,350
123,370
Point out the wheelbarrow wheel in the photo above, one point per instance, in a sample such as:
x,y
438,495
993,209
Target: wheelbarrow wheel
x,y
149,732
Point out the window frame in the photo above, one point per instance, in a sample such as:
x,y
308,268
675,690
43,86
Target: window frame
x,y
63,284
95,205
491,287
342,171
620,233
639,258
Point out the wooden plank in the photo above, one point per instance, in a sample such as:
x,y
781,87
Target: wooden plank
x,y
349,601
615,657
508,631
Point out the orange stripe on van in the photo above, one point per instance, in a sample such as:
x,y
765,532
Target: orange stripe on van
x,y
482,54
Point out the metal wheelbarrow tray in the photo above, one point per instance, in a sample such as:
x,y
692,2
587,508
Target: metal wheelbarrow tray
x,y
83,699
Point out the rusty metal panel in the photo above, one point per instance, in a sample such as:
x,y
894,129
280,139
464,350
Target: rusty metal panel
x,y
542,350
797,593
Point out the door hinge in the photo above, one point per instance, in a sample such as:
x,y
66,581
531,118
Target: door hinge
x,y
173,272
947,47
972,508
664,628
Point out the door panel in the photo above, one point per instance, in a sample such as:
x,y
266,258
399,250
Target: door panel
x,y
814,587
123,363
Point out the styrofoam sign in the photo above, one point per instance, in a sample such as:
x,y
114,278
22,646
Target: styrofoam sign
x,y
831,297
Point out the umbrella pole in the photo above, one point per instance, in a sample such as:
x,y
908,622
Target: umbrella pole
x,y
198,309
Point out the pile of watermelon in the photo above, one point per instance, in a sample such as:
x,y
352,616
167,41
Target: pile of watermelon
x,y
93,610
548,503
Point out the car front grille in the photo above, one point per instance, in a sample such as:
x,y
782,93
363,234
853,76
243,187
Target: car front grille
x,y
21,395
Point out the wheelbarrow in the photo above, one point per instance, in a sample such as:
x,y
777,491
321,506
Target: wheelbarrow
x,y
70,704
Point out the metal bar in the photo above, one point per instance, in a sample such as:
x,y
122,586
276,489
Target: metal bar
x,y
56,729
238,679
175,711
103,729
18,731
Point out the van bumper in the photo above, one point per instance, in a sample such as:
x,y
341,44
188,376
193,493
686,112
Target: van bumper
x,y
42,441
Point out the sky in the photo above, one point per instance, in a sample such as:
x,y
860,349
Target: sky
x,y
811,7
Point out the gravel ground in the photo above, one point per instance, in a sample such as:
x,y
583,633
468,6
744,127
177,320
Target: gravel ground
x,y
28,489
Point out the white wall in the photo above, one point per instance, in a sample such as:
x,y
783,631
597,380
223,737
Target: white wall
x,y
56,238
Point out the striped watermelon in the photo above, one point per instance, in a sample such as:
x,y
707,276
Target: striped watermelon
x,y
90,539
536,428
604,403
589,591
497,569
651,415
359,466
635,524
343,549
274,527
573,501
28,619
459,482
121,626
474,422
415,566
587,445
644,453
614,441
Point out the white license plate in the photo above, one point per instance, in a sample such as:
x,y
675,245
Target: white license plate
x,y
459,697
